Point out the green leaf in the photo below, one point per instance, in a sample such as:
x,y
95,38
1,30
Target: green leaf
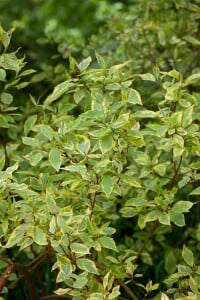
x,y
55,158
181,207
9,61
35,159
195,191
27,72
188,256
100,60
46,130
58,91
81,169
3,122
83,144
80,282
29,123
160,169
113,86
30,141
51,203
106,143
84,64
37,234
108,242
147,76
142,114
128,212
79,248
115,293
194,78
164,297
152,215
184,270
65,266
177,218
187,117
159,130
2,161
6,98
16,236
87,265
107,185
177,151
141,158
134,97
164,218
5,36
136,202
72,64
192,40
78,95
130,181
170,262
52,225
2,75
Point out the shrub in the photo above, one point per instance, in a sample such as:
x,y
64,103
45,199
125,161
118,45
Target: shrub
x,y
99,188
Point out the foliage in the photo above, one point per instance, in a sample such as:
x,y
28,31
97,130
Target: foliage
x,y
152,33
99,176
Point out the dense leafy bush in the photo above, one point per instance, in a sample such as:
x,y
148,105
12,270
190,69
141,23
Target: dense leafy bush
x,y
153,33
99,176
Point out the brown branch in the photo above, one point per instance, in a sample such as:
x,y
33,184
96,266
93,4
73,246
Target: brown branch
x,y
37,260
176,170
6,275
55,297
92,203
120,282
127,289
7,159
6,260
149,236
24,270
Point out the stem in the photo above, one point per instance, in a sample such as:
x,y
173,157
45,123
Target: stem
x,y
39,258
92,203
24,270
149,236
127,289
5,276
55,297
120,282
7,160
176,170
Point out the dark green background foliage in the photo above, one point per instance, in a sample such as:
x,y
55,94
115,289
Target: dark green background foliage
x,y
100,147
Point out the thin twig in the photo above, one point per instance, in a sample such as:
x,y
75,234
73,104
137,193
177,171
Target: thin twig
x,y
149,236
176,170
55,297
4,145
127,289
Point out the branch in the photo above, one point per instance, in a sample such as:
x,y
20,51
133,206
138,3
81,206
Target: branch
x,y
127,289
24,270
176,170
7,160
5,276
120,282
149,236
55,297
